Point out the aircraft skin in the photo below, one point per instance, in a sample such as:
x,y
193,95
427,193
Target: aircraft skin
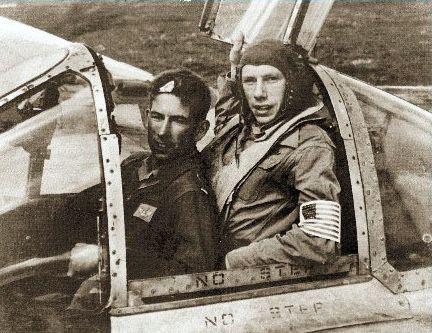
x,y
369,289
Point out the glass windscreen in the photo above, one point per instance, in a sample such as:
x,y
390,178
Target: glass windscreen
x,y
402,147
291,21
256,19
131,101
49,156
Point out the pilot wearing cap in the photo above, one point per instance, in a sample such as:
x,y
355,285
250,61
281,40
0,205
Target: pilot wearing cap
x,y
170,212
171,207
272,163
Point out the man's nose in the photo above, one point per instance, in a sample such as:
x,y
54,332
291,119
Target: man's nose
x,y
164,128
260,90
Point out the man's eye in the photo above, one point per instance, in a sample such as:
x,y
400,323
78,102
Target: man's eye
x,y
183,121
272,79
156,116
248,80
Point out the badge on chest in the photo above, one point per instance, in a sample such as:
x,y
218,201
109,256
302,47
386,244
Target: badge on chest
x,y
145,212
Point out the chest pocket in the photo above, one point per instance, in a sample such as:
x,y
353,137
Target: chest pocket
x,y
260,180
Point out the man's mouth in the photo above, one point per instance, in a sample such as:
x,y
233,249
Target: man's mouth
x,y
160,145
263,108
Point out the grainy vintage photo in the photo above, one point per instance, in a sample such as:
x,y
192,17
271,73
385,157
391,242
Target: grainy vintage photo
x,y
215,166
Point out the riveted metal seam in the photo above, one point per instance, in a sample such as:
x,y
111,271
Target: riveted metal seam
x,y
346,131
115,218
380,267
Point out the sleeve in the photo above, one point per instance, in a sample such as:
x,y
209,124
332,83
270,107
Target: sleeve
x,y
195,252
228,104
313,170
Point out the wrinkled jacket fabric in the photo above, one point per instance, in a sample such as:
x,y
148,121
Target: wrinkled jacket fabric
x,y
259,225
175,234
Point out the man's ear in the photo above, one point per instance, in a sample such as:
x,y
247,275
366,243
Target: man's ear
x,y
145,118
201,130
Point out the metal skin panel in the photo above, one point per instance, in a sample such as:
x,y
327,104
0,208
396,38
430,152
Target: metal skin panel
x,y
188,283
417,280
420,303
346,131
304,311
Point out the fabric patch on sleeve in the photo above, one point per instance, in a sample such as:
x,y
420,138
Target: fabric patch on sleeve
x,y
321,218
145,212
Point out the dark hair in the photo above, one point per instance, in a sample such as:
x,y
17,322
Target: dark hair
x,y
188,86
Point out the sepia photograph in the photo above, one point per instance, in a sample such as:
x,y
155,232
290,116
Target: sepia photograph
x,y
216,166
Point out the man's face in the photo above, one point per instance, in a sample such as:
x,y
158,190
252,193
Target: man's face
x,y
170,127
264,88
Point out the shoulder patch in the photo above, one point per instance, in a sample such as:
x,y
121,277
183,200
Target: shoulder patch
x,y
145,212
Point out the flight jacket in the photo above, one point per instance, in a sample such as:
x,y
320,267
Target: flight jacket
x,y
170,217
258,225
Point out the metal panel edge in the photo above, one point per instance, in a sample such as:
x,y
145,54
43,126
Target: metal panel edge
x,y
239,295
303,311
381,268
346,131
113,193
115,217
197,282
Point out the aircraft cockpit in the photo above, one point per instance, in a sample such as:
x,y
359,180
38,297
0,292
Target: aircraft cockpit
x,y
62,141
49,154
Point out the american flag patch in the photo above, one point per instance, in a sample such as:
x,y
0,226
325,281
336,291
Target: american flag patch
x,y
321,218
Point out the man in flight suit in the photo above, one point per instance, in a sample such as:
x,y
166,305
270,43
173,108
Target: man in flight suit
x,y
272,164
169,209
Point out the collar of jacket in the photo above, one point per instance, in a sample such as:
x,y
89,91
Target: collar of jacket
x,y
320,114
170,171
292,139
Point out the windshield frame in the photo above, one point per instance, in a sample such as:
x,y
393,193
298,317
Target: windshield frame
x,y
83,61
381,269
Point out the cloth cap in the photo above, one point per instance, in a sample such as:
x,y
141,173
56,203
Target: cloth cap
x,y
273,53
188,86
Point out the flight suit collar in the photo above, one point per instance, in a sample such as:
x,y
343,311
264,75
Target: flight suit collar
x,y
146,171
149,174
292,139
